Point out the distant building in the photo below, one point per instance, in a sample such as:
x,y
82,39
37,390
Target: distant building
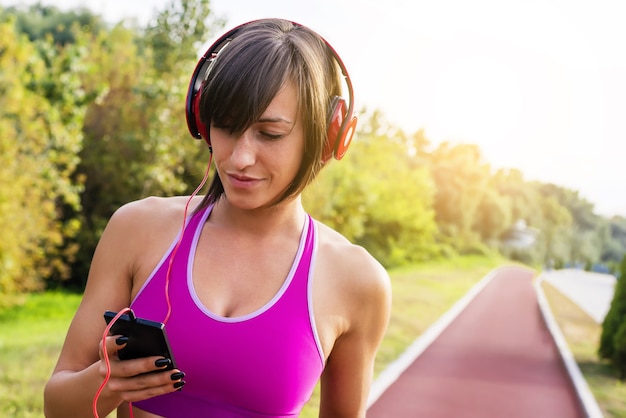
x,y
520,236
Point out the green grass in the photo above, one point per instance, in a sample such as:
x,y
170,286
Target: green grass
x,y
31,335
30,339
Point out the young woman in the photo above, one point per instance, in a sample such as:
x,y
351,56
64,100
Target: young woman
x,y
259,300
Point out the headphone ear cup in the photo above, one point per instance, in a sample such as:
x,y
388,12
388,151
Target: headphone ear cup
x,y
339,134
197,128
200,126
344,140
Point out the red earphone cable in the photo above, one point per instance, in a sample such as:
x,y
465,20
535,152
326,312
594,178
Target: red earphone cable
x,y
180,238
108,363
167,297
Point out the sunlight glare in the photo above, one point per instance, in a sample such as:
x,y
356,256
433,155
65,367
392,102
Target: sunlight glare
x,y
477,98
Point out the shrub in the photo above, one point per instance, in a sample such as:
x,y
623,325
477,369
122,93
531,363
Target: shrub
x,y
619,351
613,339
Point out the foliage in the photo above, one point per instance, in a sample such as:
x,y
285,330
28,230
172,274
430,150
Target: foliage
x,y
41,108
613,339
41,21
376,198
614,239
619,350
92,116
134,147
461,179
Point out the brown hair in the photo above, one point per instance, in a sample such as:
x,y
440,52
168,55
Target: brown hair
x,y
248,73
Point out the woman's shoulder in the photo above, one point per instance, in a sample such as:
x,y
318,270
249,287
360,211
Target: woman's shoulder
x,y
150,221
350,264
354,287
158,205
151,210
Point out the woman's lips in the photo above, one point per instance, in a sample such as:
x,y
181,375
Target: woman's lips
x,y
242,182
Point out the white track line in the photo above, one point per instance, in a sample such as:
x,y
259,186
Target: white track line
x,y
585,396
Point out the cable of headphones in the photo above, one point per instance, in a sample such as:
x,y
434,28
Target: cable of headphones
x,y
107,361
180,238
167,297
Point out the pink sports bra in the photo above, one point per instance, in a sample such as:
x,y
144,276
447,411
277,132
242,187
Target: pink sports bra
x,y
263,364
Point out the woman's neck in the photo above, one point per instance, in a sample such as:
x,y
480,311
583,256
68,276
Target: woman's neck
x,y
286,216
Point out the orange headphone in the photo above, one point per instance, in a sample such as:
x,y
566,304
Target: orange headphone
x,y
341,122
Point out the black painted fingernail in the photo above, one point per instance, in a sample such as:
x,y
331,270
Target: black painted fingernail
x,y
121,340
162,362
177,375
179,385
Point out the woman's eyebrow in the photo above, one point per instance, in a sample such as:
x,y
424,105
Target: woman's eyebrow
x,y
274,119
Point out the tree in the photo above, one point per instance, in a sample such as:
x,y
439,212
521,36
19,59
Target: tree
x,y
461,179
614,242
136,139
586,235
40,22
376,198
613,338
555,231
39,139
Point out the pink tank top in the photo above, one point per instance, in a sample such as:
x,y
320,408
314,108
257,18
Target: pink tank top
x,y
263,364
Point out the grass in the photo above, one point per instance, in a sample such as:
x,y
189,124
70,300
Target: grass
x,y
31,335
582,334
30,339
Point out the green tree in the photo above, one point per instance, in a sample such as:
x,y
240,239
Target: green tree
x,y
39,139
39,21
461,180
376,196
614,242
556,230
586,235
136,139
613,338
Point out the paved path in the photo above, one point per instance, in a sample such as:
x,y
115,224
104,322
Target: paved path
x,y
495,359
593,292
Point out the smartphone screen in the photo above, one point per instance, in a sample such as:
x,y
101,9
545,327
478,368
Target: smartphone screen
x,y
145,338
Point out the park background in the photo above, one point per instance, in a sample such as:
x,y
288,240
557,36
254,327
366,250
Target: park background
x,y
92,117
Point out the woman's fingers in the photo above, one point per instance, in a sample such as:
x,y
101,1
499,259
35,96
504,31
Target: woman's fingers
x,y
137,379
161,381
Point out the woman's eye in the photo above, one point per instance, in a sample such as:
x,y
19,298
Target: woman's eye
x,y
270,136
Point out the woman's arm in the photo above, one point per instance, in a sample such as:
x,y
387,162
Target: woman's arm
x,y
80,368
348,374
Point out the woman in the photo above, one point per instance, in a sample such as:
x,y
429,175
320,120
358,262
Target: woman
x,y
259,300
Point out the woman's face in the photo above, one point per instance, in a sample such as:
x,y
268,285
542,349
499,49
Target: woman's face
x,y
257,165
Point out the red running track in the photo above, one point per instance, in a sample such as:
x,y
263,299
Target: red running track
x,y
496,359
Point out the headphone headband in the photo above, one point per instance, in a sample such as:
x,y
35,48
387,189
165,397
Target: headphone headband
x,y
341,123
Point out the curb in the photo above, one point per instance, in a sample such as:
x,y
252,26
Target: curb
x,y
586,398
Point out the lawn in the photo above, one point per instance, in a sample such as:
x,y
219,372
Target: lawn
x,y
31,335
30,338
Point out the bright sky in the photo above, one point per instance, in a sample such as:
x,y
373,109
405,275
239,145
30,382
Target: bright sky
x,y
539,85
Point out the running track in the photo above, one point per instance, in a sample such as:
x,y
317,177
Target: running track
x,y
497,358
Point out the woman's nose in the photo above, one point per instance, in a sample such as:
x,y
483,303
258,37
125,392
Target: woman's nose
x,y
244,150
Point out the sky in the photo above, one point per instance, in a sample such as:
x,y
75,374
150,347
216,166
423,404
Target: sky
x,y
538,85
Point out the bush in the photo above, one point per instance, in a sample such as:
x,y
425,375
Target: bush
x,y
613,339
619,351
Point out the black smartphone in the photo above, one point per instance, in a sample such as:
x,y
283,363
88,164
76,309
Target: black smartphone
x,y
145,338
